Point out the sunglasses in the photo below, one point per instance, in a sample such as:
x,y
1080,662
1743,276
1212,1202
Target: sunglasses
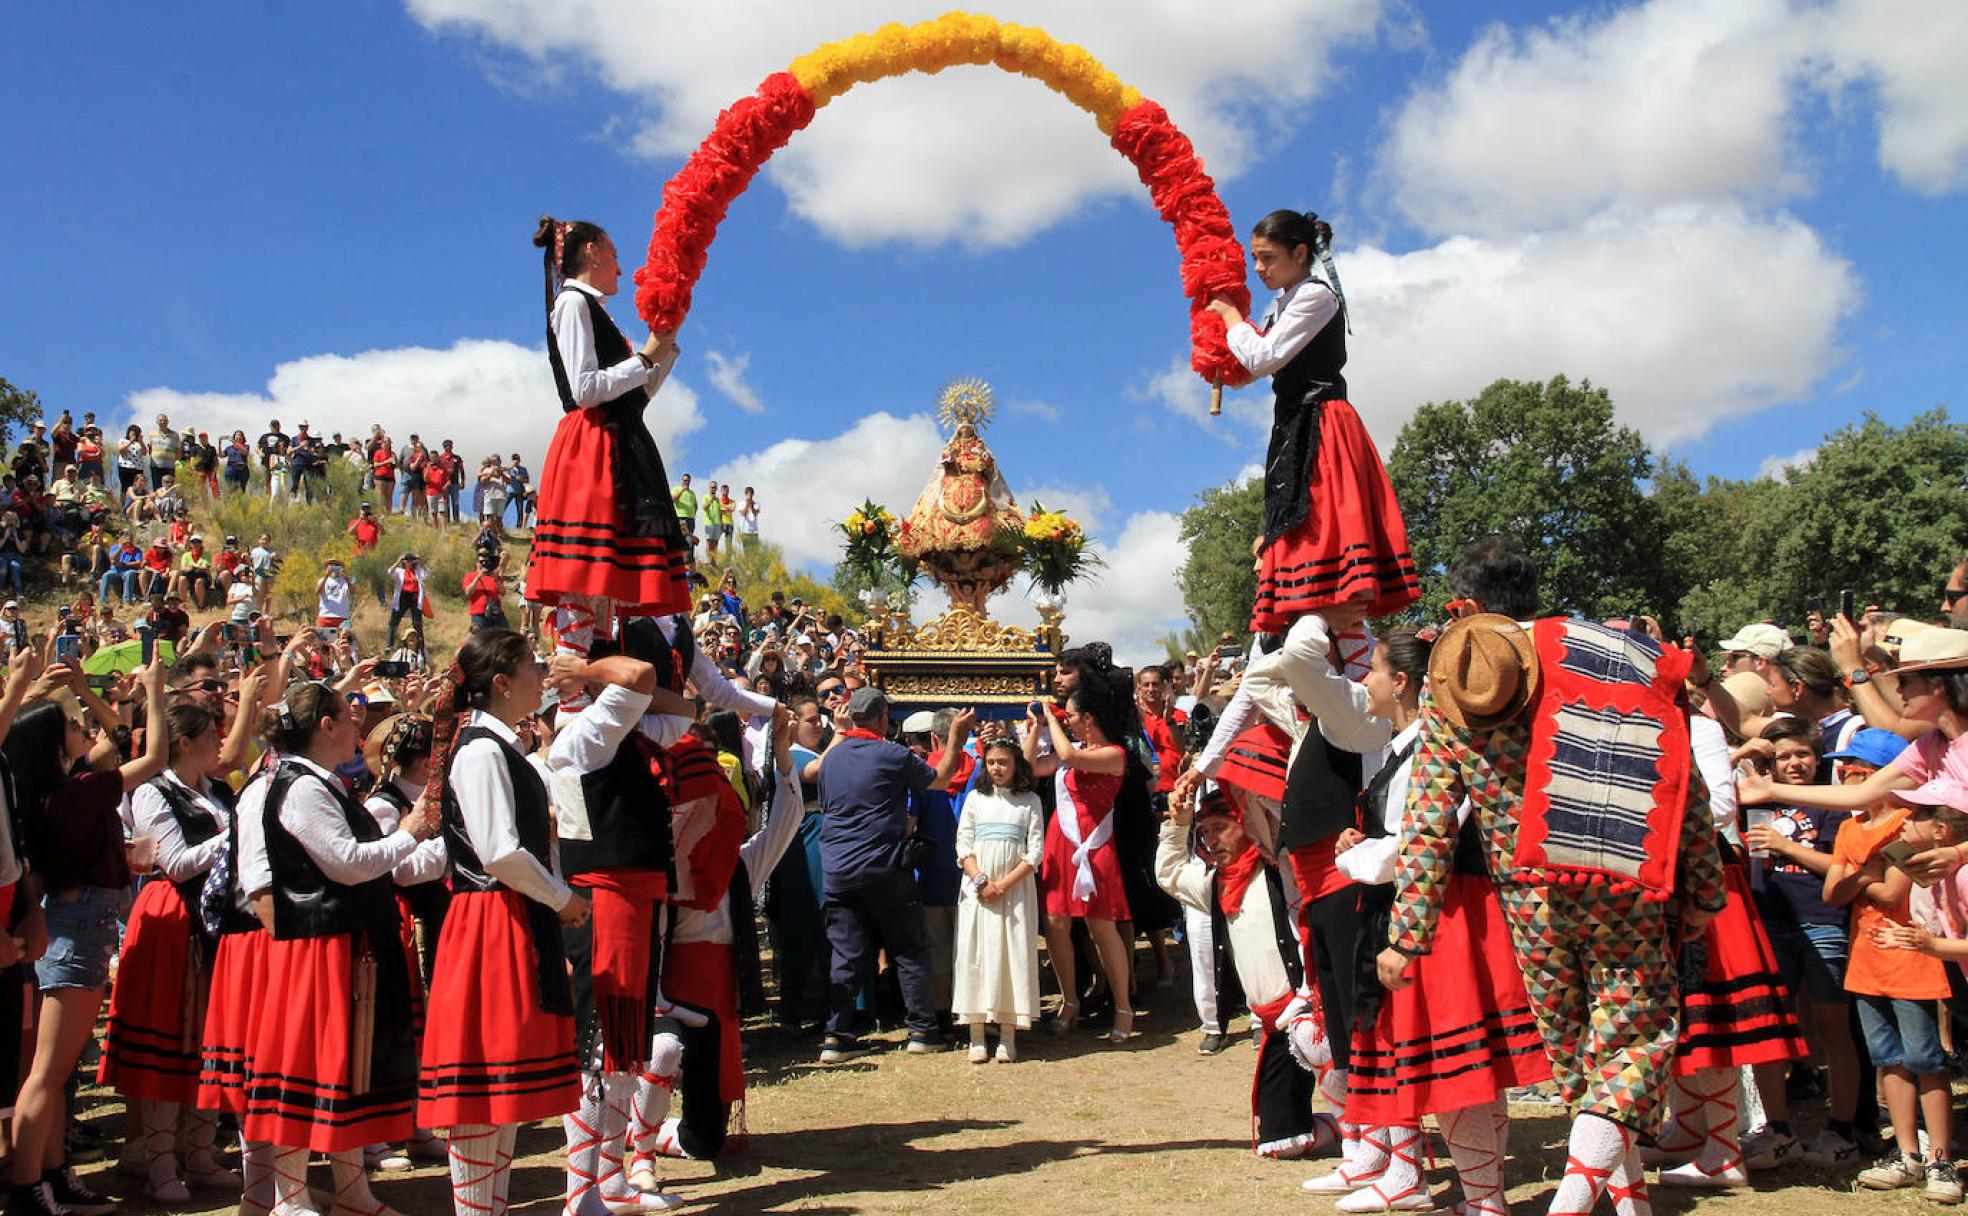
x,y
205,685
1951,594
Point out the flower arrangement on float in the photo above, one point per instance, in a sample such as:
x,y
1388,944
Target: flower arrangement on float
x,y
1054,547
870,532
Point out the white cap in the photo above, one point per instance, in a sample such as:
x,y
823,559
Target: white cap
x,y
1763,640
922,722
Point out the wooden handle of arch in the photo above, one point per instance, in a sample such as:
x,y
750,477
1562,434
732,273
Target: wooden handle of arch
x,y
1216,398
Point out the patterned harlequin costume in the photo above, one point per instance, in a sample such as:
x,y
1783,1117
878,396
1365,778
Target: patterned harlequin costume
x,y
1589,910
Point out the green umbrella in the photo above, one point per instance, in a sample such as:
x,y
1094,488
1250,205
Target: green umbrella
x,y
124,657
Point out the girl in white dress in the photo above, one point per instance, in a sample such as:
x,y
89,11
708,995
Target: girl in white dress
x,y
1000,838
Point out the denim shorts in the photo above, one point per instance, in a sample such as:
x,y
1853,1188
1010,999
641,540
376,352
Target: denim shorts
x,y
82,937
1902,1034
1811,960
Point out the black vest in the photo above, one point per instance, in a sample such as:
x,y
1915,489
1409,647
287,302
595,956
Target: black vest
x,y
628,810
1283,932
1301,388
306,902
642,485
642,638
533,822
427,900
1322,792
197,826
236,915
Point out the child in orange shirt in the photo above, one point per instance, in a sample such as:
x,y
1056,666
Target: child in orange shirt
x,y
1895,991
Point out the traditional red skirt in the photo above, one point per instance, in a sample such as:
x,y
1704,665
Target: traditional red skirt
x,y
238,971
1741,1012
1461,1033
495,1056
1352,544
303,1083
581,545
152,1049
702,974
406,931
623,932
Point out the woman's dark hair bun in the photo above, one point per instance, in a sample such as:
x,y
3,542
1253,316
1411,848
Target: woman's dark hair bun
x,y
543,236
1320,227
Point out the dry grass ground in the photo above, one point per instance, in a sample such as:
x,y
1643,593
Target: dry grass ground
x,y
1075,1126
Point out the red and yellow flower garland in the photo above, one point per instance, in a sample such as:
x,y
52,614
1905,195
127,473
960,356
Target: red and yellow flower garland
x,y
747,134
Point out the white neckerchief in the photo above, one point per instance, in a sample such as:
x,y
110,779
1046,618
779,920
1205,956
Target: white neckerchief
x,y
1069,823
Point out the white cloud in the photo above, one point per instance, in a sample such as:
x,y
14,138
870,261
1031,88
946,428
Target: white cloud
x,y
1131,603
1090,504
1179,391
487,395
881,163
1911,50
1779,468
806,486
727,375
1689,314
1668,101
1045,411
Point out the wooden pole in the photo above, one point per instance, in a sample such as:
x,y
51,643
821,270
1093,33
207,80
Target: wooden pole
x,y
1216,398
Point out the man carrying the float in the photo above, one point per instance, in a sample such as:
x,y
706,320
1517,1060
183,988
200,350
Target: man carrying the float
x,y
1570,741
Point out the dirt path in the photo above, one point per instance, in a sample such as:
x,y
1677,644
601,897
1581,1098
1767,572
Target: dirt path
x,y
1075,1127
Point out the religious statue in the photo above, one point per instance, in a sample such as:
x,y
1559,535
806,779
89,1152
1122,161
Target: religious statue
x,y
965,528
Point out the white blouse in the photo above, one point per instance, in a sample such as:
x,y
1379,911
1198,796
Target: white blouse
x,y
429,860
574,336
1296,316
153,818
760,853
314,817
485,802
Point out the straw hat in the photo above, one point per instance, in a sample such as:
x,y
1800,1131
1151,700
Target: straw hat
x,y
1933,650
1750,691
1483,671
372,747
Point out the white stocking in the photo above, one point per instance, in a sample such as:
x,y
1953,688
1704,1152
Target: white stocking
x,y
202,1165
1400,1180
1478,1137
352,1194
1597,1149
256,1163
159,1123
290,1188
612,1179
1627,1186
503,1159
474,1158
583,1128
1332,1087
655,1091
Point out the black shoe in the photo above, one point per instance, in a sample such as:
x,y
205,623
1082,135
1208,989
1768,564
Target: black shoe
x,y
72,1195
926,1044
32,1200
838,1049
1211,1044
80,1146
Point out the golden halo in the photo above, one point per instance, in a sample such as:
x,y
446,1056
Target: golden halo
x,y
968,400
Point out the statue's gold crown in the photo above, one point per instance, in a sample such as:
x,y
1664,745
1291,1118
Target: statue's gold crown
x,y
968,400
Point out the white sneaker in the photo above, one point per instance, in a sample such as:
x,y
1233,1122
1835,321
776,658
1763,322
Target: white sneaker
x,y
1776,1151
1832,1151
1372,1199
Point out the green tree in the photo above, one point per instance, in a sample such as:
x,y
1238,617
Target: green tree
x,y
1545,465
1218,584
18,408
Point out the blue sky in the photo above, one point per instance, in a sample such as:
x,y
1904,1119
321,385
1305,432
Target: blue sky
x,y
235,210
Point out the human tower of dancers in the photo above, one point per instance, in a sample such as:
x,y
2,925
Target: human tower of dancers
x,y
1536,850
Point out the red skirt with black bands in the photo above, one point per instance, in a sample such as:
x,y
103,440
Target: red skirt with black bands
x,y
702,975
1352,545
494,1056
1461,1033
303,1088
1741,1013
147,1052
581,543
238,985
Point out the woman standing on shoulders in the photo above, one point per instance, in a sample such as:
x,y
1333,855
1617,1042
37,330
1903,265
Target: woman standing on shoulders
x,y
606,540
1332,530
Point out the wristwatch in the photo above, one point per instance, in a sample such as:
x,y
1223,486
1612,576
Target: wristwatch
x,y
979,882
1858,675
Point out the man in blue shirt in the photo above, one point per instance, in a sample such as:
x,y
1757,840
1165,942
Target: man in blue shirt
x,y
869,897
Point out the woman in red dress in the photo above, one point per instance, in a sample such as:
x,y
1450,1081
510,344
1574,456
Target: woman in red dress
x,y
151,1052
606,540
1081,872
1332,530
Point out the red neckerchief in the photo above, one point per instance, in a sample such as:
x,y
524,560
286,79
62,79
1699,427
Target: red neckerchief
x,y
1234,879
855,732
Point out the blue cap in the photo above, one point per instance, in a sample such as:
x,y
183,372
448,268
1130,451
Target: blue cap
x,y
1871,746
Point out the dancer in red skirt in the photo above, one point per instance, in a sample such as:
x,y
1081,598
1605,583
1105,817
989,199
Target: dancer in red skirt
x,y
151,1054
238,982
1739,1014
330,1064
398,750
1081,872
1456,1040
709,941
606,540
1333,533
